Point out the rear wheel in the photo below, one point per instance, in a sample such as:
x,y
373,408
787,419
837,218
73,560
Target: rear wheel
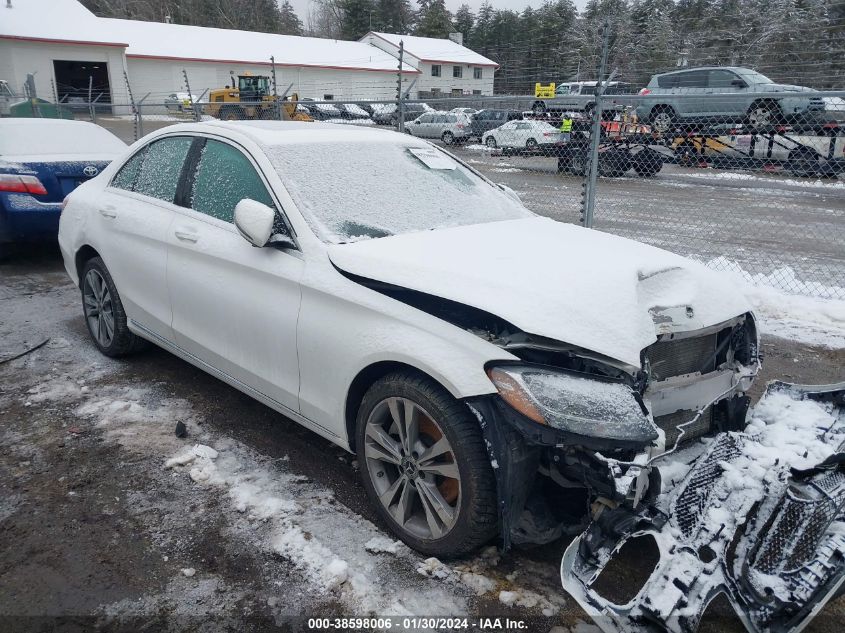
x,y
662,119
448,138
425,467
763,114
104,314
803,162
647,163
491,142
614,163
531,144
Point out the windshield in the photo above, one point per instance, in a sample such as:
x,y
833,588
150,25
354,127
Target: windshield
x,y
350,191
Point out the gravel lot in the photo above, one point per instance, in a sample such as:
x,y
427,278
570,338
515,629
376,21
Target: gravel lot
x,y
95,529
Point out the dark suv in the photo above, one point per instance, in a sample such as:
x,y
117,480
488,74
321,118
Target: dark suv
x,y
489,119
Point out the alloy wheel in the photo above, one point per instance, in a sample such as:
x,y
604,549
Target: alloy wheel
x,y
490,142
99,310
662,121
412,468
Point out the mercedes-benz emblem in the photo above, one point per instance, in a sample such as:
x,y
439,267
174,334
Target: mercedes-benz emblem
x,y
90,171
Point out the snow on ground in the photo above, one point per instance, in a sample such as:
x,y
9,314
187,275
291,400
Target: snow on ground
x,y
797,317
342,556
751,178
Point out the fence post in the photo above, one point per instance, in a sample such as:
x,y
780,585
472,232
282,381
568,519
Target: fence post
x,y
589,198
137,130
190,96
277,109
400,102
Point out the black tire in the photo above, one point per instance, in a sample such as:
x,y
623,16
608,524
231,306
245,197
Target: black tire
x,y
614,163
803,162
531,144
491,142
538,108
477,517
123,341
447,137
578,164
647,163
662,118
232,114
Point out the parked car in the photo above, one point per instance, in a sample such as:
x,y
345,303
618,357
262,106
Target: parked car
x,y
352,111
739,100
447,126
488,119
383,113
467,111
419,316
579,96
522,134
41,162
180,102
411,111
321,111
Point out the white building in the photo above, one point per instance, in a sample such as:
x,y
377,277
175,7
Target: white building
x,y
445,67
66,48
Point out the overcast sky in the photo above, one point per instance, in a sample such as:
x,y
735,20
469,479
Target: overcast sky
x,y
301,6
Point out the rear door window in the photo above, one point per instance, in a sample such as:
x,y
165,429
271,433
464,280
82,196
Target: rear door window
x,y
159,173
667,81
693,79
128,174
224,177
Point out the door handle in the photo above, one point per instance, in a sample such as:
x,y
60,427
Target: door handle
x,y
108,212
186,237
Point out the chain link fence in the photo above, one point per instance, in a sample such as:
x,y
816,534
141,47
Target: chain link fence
x,y
717,164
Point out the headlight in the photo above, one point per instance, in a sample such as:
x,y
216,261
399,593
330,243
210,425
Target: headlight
x,y
575,404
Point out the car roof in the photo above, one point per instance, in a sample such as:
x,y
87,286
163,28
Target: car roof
x,y
739,69
269,133
39,122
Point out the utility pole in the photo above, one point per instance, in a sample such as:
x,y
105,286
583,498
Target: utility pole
x,y
589,200
400,109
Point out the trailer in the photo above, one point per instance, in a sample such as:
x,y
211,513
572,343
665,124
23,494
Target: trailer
x,y
812,150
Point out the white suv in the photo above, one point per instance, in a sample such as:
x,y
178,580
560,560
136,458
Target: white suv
x,y
449,127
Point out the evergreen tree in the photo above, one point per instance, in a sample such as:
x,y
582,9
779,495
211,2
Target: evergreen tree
x,y
394,16
433,19
464,21
289,22
358,16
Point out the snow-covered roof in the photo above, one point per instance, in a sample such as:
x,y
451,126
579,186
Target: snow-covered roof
x,y
432,49
198,43
68,21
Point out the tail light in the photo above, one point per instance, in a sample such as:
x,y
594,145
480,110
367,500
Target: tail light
x,y
550,133
22,184
460,126
645,91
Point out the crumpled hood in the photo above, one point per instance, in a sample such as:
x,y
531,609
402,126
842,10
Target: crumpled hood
x,y
579,286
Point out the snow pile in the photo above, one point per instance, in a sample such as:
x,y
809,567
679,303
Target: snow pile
x,y
382,544
808,319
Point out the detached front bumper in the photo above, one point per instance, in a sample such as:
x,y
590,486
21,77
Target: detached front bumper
x,y
758,517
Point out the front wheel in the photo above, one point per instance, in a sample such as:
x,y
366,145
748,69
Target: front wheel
x,y
490,142
104,314
425,467
448,138
531,144
663,119
763,114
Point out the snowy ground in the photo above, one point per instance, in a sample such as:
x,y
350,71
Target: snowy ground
x,y
106,514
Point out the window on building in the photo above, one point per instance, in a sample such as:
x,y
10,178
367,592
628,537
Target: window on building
x,y
435,70
457,72
435,91
457,92
476,92
476,73
328,97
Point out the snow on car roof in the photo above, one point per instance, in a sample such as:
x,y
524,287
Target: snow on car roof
x,y
31,139
269,133
432,49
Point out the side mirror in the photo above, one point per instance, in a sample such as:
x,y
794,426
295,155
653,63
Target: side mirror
x,y
254,221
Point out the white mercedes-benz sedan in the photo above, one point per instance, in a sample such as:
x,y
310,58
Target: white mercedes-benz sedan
x,y
493,370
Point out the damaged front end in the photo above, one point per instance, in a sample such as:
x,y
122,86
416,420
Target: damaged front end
x,y
757,516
